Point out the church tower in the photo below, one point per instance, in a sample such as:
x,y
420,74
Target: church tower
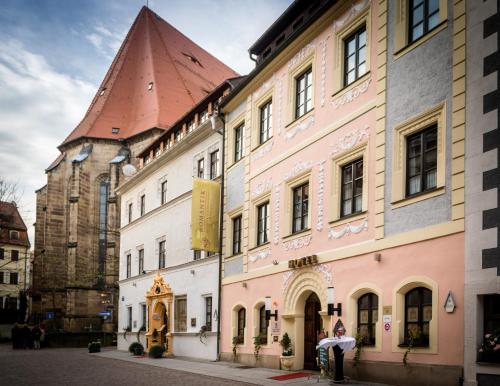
x,y
157,75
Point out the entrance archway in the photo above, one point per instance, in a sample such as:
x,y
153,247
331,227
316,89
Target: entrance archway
x,y
159,302
305,286
312,327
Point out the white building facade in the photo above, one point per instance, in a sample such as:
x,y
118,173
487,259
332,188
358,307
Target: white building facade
x,y
155,241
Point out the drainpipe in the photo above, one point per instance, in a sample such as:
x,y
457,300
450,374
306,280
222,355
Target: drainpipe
x,y
221,218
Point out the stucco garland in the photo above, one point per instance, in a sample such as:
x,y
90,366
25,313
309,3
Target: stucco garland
x,y
263,150
297,243
262,187
301,54
260,255
353,11
350,140
351,94
304,125
276,236
349,228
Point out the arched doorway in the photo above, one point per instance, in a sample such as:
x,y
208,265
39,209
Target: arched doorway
x,y
312,327
159,302
159,325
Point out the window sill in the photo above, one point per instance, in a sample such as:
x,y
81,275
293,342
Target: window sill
x,y
350,218
260,246
350,86
299,120
403,51
418,197
303,232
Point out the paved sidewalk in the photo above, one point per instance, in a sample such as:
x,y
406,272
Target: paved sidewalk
x,y
225,370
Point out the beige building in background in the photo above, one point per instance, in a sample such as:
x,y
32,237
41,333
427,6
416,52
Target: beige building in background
x,y
14,263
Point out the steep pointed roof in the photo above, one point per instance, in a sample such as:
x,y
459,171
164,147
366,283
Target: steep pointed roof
x,y
157,75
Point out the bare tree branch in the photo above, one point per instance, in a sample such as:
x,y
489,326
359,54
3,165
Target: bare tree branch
x,y
10,191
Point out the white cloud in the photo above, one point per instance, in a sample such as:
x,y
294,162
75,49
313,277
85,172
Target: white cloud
x,y
38,109
105,41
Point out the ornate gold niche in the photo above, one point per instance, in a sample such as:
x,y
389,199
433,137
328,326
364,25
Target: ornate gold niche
x,y
159,302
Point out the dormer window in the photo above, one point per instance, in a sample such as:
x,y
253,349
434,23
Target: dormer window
x,y
150,86
14,235
115,130
191,126
103,91
204,116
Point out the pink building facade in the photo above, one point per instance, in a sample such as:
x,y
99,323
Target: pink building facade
x,y
344,169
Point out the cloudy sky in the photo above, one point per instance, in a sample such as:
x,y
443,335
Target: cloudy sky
x,y
54,54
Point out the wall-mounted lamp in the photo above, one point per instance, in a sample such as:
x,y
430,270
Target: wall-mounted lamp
x,y
331,305
244,284
377,257
268,309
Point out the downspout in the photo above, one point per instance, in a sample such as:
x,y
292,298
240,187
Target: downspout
x,y
221,218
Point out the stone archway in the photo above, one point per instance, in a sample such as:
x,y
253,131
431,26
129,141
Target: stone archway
x,y
159,302
301,286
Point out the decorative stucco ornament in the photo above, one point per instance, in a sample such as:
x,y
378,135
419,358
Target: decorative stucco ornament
x,y
262,187
353,11
298,168
277,201
322,89
263,150
260,255
351,94
348,228
297,243
301,54
321,193
304,125
265,86
350,140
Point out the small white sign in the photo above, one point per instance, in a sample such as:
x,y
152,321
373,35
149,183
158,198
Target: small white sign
x,y
275,328
387,318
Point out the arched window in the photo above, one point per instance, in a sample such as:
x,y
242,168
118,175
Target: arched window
x,y
263,324
367,317
241,325
418,314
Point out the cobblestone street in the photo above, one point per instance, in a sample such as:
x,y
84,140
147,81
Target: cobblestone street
x,y
74,366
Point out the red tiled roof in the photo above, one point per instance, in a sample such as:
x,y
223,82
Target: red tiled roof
x,y
182,73
10,219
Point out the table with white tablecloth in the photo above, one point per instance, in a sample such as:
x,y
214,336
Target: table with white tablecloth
x,y
340,346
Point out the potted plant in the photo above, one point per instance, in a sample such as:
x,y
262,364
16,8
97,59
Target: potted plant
x,y
257,345
136,348
287,357
236,342
94,346
156,351
490,348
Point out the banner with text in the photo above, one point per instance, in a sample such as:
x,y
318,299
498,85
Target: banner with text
x,y
205,215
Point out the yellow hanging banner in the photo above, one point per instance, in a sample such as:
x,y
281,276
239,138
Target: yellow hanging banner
x,y
205,215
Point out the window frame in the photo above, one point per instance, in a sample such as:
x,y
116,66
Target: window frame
x,y
425,20
196,254
354,179
128,265
263,224
355,23
14,255
240,328
304,218
307,87
236,223
263,329
130,208
13,278
142,204
129,318
238,142
372,325
162,253
163,190
180,325
144,316
434,116
214,164
208,313
421,135
355,36
420,320
402,42
200,168
265,121
140,256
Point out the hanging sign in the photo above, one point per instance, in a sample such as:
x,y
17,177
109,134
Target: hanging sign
x,y
387,326
449,304
205,215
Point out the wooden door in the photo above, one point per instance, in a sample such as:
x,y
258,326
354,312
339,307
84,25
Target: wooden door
x,y
312,327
